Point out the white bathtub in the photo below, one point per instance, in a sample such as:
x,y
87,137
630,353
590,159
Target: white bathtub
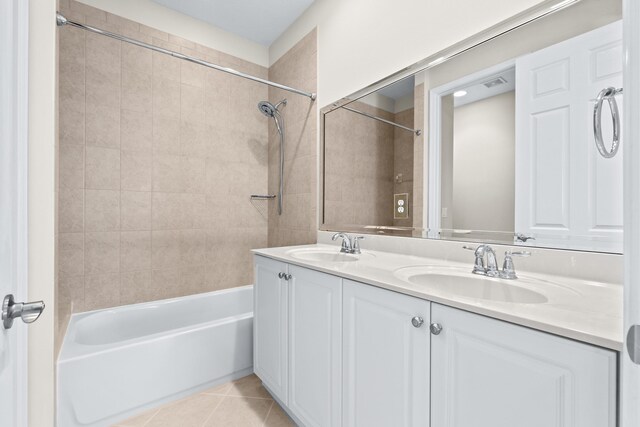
x,y
118,362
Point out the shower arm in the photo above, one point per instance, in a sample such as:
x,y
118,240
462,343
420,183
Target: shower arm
x,y
61,21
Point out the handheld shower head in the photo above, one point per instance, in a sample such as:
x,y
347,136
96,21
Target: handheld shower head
x,y
267,108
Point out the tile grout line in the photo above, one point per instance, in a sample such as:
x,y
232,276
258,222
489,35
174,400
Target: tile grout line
x,y
152,417
214,409
264,422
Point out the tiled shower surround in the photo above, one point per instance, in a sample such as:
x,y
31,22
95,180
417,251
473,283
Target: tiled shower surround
x,y
157,159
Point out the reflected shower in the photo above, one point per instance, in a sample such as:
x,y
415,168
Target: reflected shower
x,y
269,110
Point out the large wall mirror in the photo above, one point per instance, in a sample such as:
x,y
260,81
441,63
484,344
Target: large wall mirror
x,y
492,141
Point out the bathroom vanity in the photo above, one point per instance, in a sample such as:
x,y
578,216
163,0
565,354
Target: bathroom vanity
x,y
383,339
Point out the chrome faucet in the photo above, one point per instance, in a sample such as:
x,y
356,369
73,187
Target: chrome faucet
x,y
491,269
350,245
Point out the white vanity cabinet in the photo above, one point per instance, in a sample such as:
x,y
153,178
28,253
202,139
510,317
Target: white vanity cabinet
x,y
489,373
298,339
270,325
386,358
336,352
315,347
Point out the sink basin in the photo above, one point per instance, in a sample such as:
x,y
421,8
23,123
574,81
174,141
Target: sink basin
x,y
320,255
465,284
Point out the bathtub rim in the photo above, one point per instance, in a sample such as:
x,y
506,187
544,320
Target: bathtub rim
x,y
69,342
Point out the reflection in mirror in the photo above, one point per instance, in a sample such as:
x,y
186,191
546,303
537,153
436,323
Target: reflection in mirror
x,y
368,168
510,154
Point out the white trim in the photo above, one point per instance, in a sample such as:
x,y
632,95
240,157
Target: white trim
x,y
15,66
432,155
630,373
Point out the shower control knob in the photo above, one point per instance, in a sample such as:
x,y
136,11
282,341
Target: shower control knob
x,y
435,328
417,321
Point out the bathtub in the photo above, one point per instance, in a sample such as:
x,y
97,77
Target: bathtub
x,y
116,363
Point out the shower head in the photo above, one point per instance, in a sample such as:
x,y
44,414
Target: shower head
x,y
268,109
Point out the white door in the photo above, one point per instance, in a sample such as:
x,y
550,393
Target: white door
x,y
567,195
270,323
13,213
315,347
630,356
386,358
489,373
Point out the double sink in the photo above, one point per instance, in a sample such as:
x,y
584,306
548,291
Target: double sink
x,y
443,279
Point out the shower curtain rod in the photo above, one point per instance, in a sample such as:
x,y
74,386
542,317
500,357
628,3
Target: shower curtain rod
x,y
61,20
418,132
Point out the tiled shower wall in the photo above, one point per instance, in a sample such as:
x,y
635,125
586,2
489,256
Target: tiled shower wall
x,y
298,223
158,158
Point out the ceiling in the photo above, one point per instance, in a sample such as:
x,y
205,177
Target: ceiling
x,y
261,21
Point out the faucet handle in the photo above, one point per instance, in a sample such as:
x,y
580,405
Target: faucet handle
x,y
355,244
508,269
478,265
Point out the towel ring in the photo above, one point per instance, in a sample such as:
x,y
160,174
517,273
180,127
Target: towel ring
x,y
609,94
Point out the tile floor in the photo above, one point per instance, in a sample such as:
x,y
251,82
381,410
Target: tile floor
x,y
241,403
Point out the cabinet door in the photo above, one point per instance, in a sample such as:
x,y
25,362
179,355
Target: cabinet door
x,y
386,358
315,347
489,373
270,325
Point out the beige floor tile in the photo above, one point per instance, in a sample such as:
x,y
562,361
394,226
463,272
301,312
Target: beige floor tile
x,y
192,411
240,412
278,418
222,389
138,420
249,386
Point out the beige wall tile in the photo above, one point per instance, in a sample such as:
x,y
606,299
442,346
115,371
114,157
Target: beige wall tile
x,y
166,135
135,210
136,131
165,249
167,173
193,247
136,91
166,211
101,291
102,210
135,171
193,174
137,59
103,126
192,104
102,170
71,166
135,251
173,151
71,210
136,287
70,254
87,10
102,253
194,139
165,67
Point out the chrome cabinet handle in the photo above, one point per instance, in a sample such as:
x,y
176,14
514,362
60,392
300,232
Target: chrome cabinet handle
x,y
27,311
281,275
417,321
435,328
288,277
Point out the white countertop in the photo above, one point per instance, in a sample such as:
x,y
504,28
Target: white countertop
x,y
586,311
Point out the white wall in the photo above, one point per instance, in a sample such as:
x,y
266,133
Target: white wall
x,y
41,202
362,41
483,164
162,18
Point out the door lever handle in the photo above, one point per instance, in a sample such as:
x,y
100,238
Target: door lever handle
x,y
27,311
